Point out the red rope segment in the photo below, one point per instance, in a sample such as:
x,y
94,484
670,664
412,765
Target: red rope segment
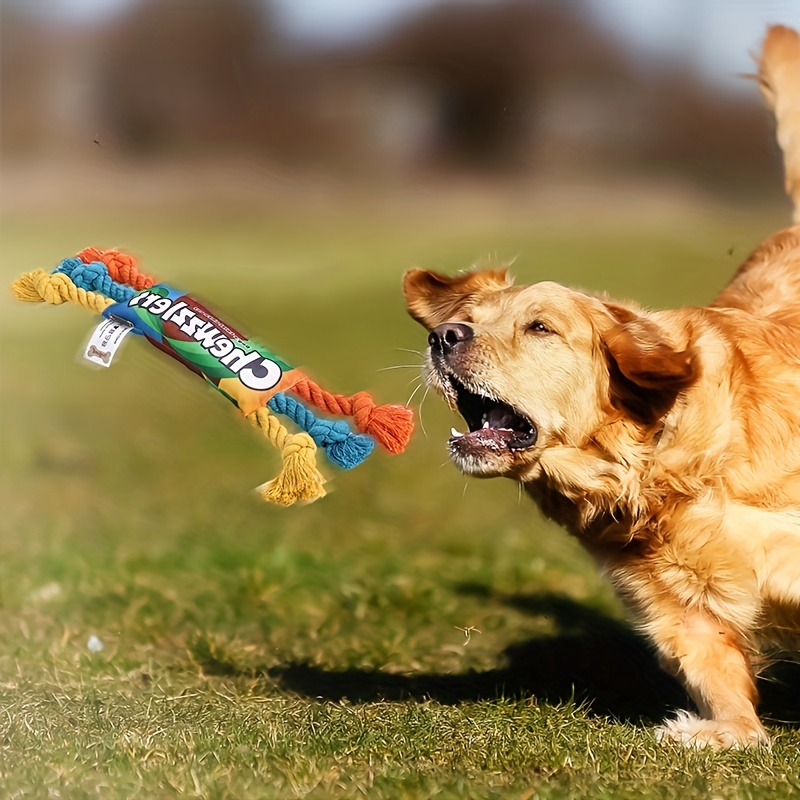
x,y
121,267
390,425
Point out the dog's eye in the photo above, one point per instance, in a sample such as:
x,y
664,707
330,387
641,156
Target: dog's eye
x,y
538,327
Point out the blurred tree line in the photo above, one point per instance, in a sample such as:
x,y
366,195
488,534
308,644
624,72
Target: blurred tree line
x,y
508,85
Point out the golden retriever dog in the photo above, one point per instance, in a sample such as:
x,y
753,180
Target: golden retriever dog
x,y
668,442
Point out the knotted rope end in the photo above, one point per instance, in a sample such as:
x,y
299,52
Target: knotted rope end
x,y
25,287
391,426
350,452
299,480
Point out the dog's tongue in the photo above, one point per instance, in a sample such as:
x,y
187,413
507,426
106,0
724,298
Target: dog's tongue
x,y
497,438
492,438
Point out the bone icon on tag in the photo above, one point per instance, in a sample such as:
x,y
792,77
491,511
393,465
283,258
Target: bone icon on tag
x,y
101,354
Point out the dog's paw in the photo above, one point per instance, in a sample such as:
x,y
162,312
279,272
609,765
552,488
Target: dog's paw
x,y
718,734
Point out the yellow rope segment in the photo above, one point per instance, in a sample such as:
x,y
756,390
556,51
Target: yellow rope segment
x,y
299,479
56,288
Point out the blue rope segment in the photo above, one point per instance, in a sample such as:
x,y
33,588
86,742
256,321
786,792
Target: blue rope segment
x,y
94,277
343,447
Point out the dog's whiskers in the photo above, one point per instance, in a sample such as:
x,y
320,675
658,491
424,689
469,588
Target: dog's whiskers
x,y
422,403
416,389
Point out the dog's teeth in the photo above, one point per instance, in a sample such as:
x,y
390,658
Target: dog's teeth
x,y
454,433
485,424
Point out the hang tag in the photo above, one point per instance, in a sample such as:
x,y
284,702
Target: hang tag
x,y
105,340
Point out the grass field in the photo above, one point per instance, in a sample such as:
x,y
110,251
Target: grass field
x,y
411,635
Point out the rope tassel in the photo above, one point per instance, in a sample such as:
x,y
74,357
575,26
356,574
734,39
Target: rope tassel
x,y
299,480
255,380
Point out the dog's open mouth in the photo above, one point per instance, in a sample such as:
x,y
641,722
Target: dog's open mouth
x,y
493,425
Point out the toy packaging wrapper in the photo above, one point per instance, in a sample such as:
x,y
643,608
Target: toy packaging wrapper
x,y
258,382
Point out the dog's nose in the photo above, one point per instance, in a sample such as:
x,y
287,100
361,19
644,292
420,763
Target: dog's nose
x,y
445,337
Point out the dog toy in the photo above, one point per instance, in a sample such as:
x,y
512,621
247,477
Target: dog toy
x,y
255,380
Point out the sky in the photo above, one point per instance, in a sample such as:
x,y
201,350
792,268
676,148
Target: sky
x,y
715,36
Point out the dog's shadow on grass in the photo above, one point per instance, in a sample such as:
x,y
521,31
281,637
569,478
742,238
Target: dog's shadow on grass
x,y
591,658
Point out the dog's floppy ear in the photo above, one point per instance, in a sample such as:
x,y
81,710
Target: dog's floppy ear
x,y
647,370
433,299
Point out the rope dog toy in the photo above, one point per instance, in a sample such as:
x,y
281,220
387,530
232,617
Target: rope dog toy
x,y
254,379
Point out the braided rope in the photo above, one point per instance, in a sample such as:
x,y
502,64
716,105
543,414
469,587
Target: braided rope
x,y
341,445
40,286
121,267
390,425
94,276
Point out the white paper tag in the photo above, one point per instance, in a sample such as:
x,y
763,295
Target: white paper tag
x,y
105,340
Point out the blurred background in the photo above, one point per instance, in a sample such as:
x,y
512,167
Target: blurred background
x,y
287,160
256,97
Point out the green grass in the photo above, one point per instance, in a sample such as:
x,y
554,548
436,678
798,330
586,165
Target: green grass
x,y
411,635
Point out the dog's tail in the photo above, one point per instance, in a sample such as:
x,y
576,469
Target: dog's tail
x,y
779,78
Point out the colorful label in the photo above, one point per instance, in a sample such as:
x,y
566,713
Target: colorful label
x,y
244,371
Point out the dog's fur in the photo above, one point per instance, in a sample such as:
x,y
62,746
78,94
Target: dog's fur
x,y
668,441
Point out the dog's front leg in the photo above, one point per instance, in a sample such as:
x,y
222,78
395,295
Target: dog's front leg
x,y
711,661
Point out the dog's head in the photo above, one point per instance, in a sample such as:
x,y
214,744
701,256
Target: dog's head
x,y
532,367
